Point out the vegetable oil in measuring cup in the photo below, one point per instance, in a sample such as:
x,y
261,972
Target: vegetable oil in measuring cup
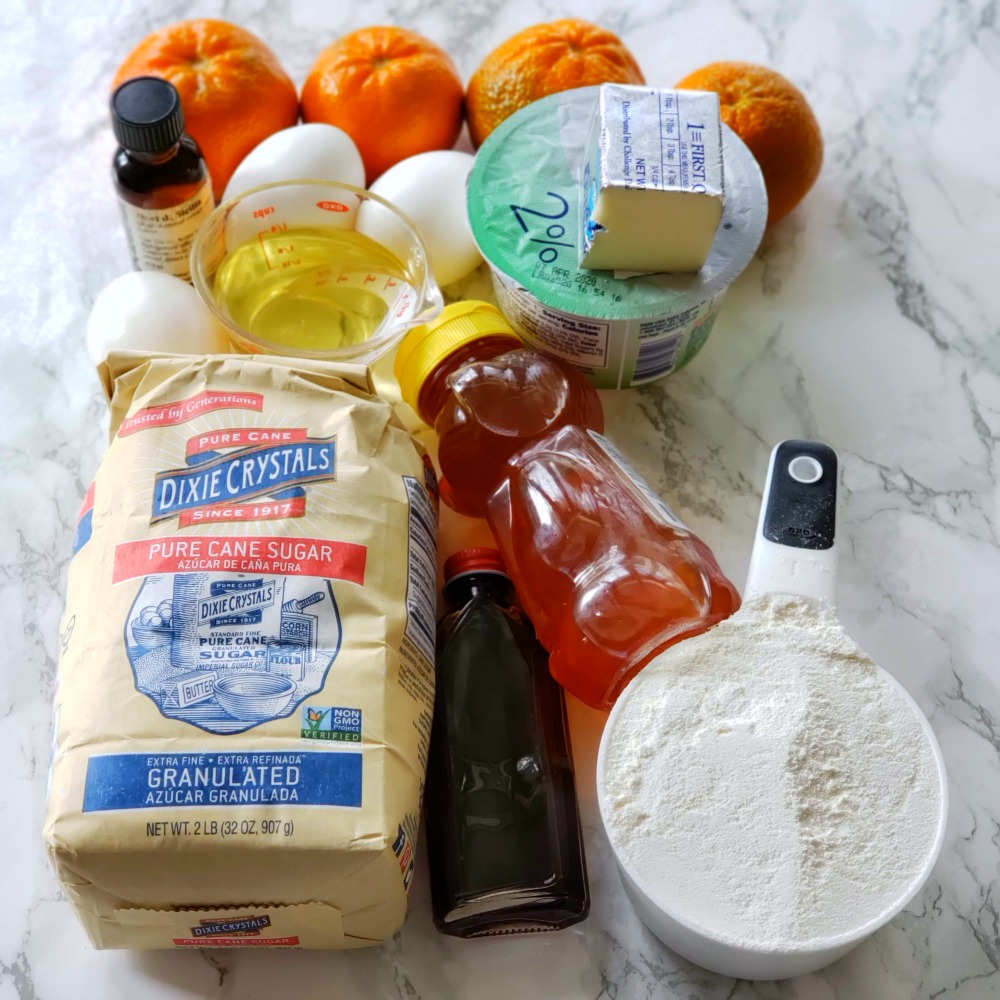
x,y
313,288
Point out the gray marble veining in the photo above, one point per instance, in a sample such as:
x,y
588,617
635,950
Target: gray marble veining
x,y
868,319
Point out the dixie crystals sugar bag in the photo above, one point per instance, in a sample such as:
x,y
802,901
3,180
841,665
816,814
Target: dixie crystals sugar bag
x,y
246,678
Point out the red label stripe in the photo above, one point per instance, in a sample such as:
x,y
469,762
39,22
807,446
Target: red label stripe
x,y
88,501
240,437
266,510
237,942
318,557
187,409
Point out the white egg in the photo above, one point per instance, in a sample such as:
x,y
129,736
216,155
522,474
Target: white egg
x,y
302,152
152,311
430,189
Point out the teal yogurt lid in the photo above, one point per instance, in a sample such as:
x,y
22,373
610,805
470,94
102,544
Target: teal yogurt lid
x,y
523,205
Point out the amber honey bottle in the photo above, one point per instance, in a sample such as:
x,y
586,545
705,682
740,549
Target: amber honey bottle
x,y
159,174
607,573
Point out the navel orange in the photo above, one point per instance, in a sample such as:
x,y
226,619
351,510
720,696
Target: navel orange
x,y
772,116
391,90
544,60
233,89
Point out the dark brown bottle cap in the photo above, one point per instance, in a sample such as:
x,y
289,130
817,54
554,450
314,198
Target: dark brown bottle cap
x,y
146,114
473,561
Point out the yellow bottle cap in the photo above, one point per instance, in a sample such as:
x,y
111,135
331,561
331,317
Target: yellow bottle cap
x,y
425,347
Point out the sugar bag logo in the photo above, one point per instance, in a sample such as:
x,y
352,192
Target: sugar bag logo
x,y
229,651
268,465
250,926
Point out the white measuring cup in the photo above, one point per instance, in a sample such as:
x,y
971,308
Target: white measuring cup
x,y
275,221
794,553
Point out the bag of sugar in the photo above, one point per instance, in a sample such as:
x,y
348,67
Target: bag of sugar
x,y
246,678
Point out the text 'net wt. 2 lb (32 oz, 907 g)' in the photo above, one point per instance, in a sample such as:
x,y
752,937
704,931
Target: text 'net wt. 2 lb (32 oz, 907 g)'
x,y
246,670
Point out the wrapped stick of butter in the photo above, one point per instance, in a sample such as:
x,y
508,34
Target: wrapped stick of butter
x,y
653,188
524,208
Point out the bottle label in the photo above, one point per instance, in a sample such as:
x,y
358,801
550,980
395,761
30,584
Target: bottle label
x,y
643,490
160,238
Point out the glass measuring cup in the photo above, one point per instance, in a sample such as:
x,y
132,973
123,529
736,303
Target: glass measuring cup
x,y
314,269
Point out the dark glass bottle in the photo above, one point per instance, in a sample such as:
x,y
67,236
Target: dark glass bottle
x,y
159,175
503,829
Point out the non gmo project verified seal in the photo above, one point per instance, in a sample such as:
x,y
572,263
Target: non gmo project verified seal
x,y
339,725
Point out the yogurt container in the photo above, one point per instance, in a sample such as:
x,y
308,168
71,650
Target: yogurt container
x,y
523,202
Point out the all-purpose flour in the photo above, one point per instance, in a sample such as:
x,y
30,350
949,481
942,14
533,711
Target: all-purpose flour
x,y
767,782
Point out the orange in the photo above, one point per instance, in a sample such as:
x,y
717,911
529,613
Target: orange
x,y
233,89
391,90
540,61
771,115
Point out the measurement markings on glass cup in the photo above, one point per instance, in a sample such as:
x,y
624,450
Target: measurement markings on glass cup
x,y
548,255
285,249
221,828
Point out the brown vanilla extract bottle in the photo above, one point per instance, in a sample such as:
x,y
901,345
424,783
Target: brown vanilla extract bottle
x,y
159,174
503,829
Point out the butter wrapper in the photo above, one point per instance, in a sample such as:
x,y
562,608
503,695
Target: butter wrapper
x,y
183,690
527,224
653,188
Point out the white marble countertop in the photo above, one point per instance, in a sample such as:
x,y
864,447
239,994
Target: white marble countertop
x,y
868,319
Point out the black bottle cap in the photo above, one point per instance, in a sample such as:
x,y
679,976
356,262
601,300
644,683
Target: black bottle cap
x,y
146,114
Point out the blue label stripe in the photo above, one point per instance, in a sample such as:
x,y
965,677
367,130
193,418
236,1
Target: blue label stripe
x,y
254,778
84,529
